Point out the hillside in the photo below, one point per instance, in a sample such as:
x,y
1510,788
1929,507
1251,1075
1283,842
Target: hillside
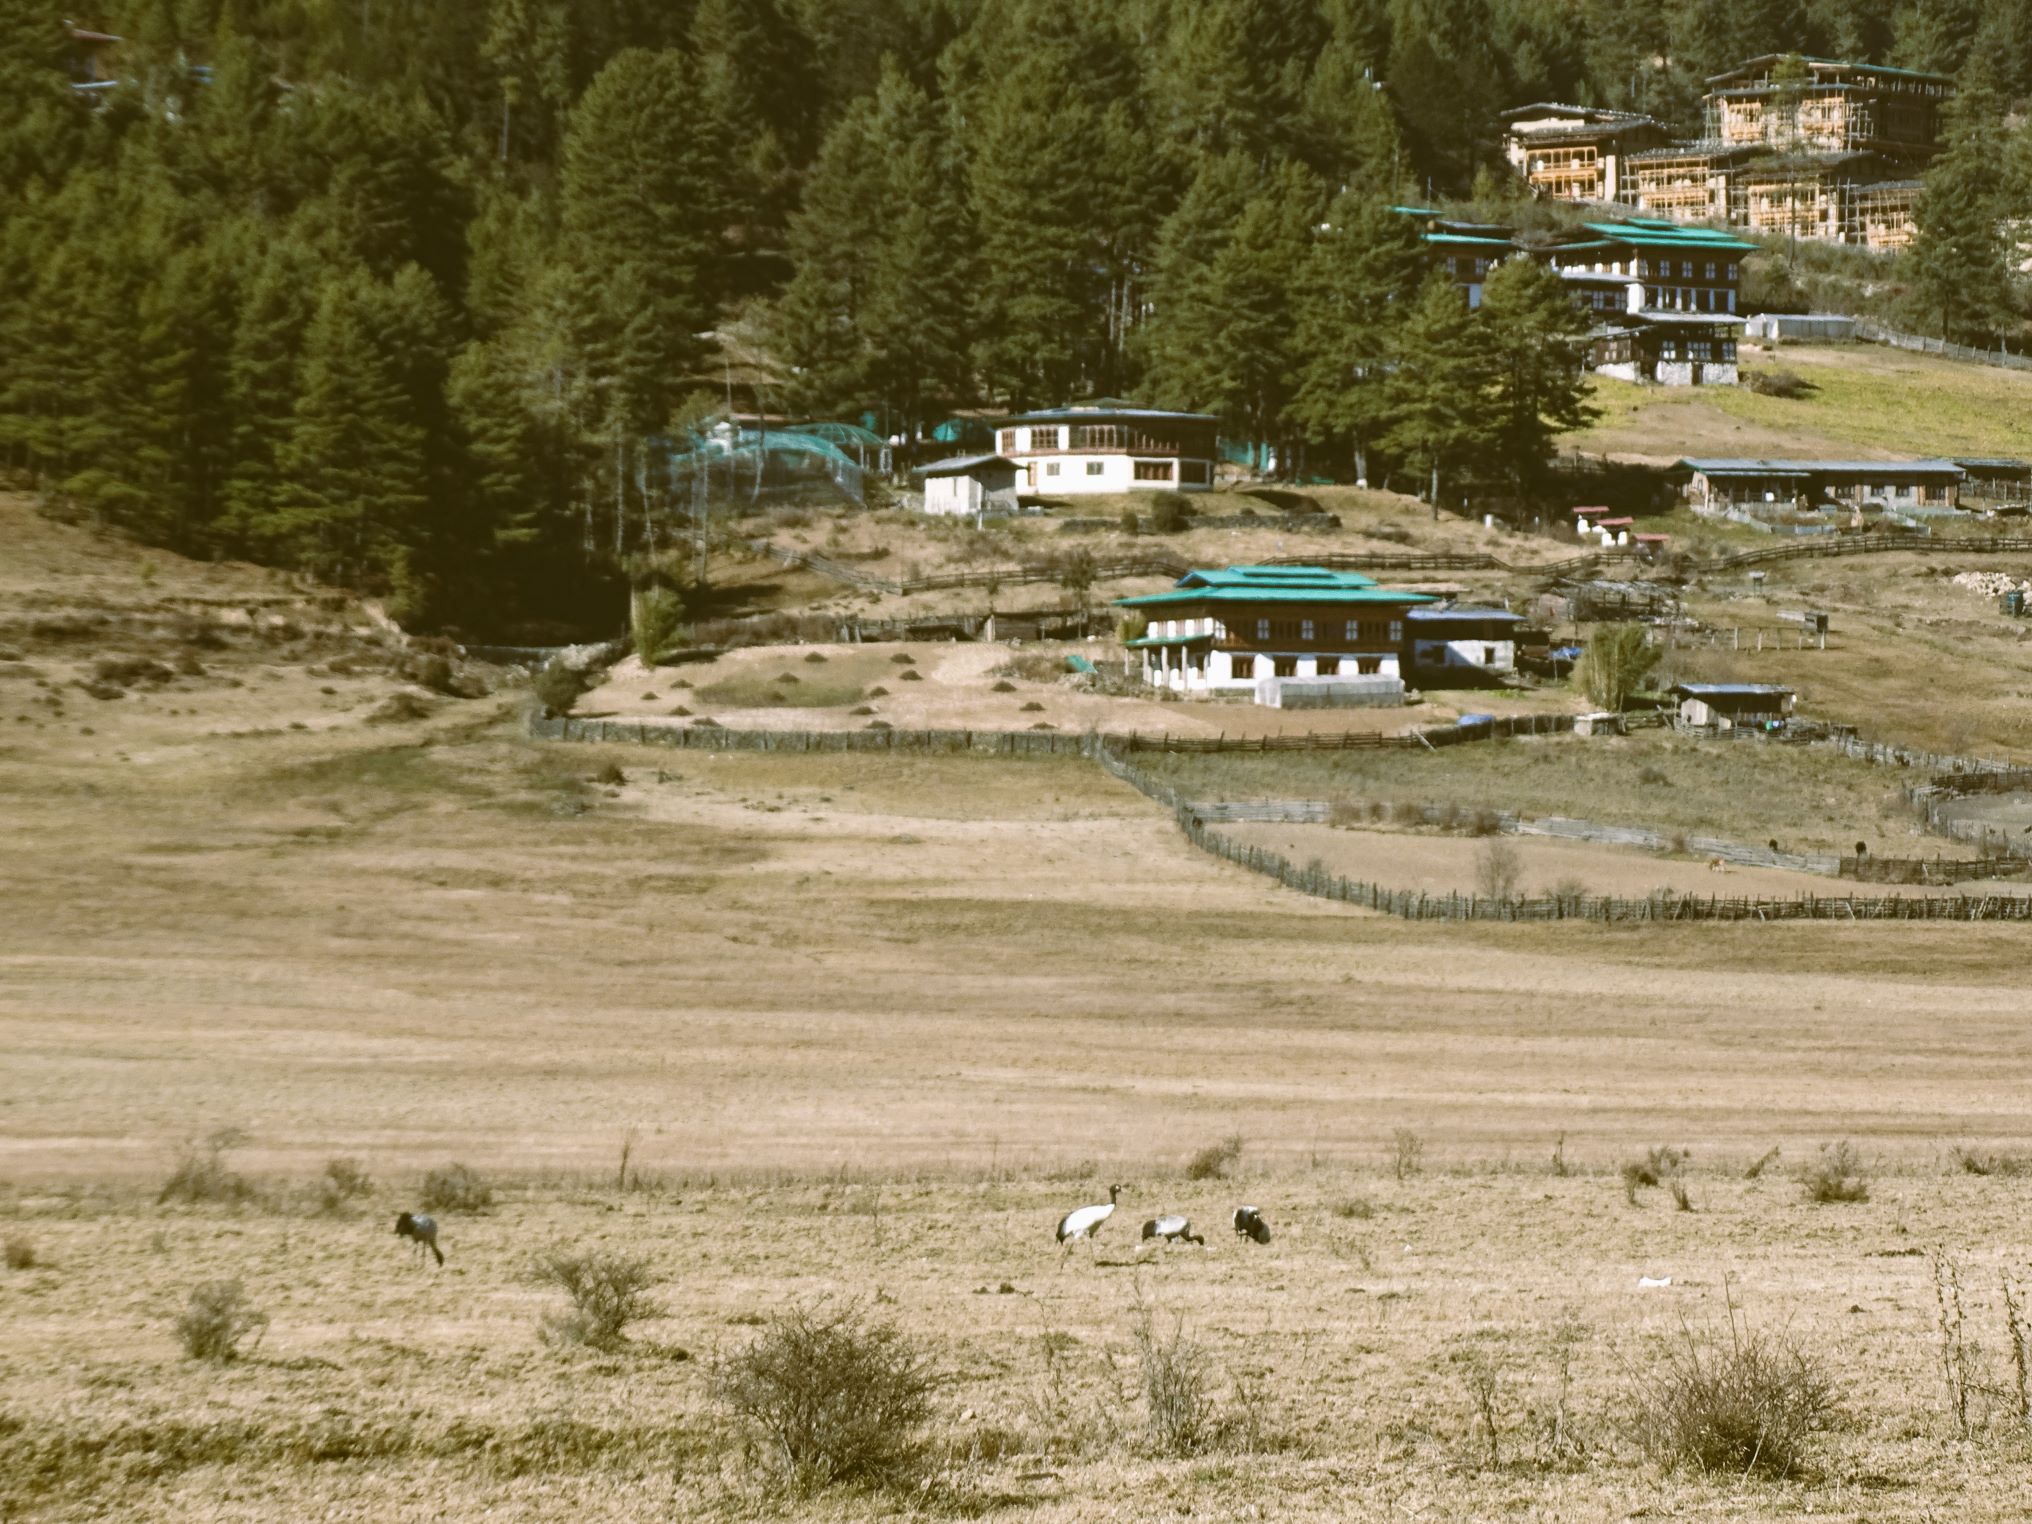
x,y
1866,402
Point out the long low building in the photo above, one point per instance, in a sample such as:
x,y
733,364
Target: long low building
x,y
1722,484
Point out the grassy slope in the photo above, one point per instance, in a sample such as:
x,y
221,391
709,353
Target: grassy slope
x,y
1867,401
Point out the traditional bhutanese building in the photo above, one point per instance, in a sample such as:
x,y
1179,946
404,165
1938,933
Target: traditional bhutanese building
x,y
1790,146
1109,446
1664,297
1576,153
1227,630
1464,252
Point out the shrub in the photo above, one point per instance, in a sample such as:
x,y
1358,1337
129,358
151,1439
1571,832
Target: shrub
x,y
342,1181
1788,384
1179,1414
1004,686
1761,1163
1215,1160
1360,1208
1972,1163
610,775
558,687
20,1252
455,1188
607,1291
911,675
903,659
201,1173
655,615
216,1319
835,1397
1614,662
1130,523
1837,1174
1169,512
1497,869
1744,1407
1407,1153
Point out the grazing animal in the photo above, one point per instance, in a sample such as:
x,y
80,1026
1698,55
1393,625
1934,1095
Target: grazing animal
x,y
1249,1223
420,1231
1716,865
1086,1222
1172,1229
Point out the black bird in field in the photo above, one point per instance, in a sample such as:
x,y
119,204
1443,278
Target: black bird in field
x,y
1249,1223
421,1231
1173,1229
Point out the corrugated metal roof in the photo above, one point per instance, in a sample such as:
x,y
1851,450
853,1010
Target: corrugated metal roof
x,y
1462,614
959,465
1730,690
1653,233
1733,466
1315,595
1093,412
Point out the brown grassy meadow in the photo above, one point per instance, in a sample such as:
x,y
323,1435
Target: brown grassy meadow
x,y
872,1027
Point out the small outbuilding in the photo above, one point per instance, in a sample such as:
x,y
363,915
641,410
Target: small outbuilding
x,y
1729,706
969,484
1463,636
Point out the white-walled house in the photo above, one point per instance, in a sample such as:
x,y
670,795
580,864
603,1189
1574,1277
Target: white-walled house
x,y
969,484
1108,447
1459,635
1231,630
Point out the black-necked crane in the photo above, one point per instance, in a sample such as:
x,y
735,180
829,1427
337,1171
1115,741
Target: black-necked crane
x,y
1086,1222
1173,1229
420,1231
1249,1223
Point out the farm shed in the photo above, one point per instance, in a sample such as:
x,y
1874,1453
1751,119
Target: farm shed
x,y
1995,478
1725,706
1721,484
1821,327
1463,636
965,484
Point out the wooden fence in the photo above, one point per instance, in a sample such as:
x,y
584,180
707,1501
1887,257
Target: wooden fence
x,y
1869,545
1876,333
1312,878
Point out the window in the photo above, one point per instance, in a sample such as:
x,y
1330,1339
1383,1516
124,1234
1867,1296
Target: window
x,y
1285,666
1396,632
1731,272
1153,470
1305,631
1353,632
1008,441
1095,467
1099,436
1242,665
1051,468
1369,666
1043,438
1329,666
1686,270
1262,629
1710,269
1699,349
1194,473
1728,351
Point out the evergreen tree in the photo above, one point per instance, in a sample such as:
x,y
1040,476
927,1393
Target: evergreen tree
x,y
1358,280
1960,259
355,471
1440,391
1447,87
758,89
1537,341
261,386
1232,73
643,206
832,242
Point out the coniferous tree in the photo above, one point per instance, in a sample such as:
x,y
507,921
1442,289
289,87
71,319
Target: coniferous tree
x,y
1960,258
1441,419
1537,341
1358,280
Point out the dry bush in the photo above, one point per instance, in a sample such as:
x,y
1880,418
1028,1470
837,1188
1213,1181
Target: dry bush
x,y
1761,1163
607,1291
834,1396
216,1320
201,1173
343,1181
1003,686
1972,1163
1744,1406
455,1188
1215,1160
20,1252
1837,1174
1658,1166
1407,1153
1179,1414
1360,1208
558,687
1497,870
1788,384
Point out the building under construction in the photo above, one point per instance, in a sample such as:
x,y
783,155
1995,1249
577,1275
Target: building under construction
x,y
1790,146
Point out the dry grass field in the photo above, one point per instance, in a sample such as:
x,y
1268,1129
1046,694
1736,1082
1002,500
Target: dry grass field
x,y
872,1025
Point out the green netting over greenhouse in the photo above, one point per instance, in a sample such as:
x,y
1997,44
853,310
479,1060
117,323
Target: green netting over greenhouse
x,y
865,445
727,464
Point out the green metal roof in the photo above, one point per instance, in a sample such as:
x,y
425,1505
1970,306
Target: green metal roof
x,y
1650,232
1167,640
1468,238
1274,584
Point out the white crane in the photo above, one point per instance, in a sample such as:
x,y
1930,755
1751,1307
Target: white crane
x,y
1249,1223
1086,1222
1173,1229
